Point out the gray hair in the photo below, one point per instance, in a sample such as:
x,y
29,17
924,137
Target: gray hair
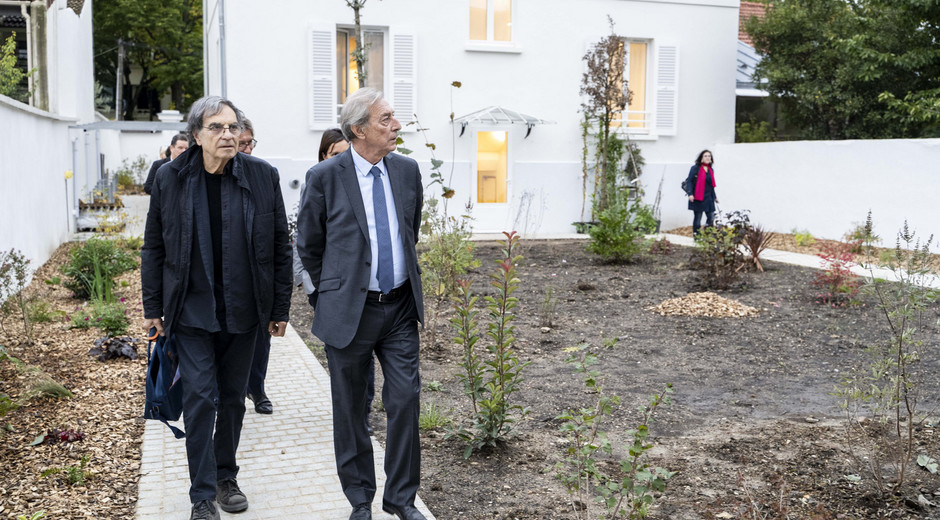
x,y
356,111
209,106
248,127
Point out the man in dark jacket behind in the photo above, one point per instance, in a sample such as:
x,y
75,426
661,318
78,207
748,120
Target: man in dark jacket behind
x,y
216,265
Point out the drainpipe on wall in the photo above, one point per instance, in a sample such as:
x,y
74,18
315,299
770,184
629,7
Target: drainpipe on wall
x,y
222,47
74,214
38,23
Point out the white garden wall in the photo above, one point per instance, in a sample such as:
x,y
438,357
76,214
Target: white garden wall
x,y
826,187
35,154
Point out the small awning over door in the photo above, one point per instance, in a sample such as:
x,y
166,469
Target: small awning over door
x,y
499,116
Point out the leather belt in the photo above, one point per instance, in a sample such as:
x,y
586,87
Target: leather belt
x,y
393,295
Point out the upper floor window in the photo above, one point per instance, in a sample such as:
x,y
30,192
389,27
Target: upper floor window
x,y
647,73
491,20
347,73
390,66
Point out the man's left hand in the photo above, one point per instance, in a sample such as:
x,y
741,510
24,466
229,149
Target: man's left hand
x,y
277,328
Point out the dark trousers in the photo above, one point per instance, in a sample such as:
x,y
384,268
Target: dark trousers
x,y
212,364
697,220
259,363
390,331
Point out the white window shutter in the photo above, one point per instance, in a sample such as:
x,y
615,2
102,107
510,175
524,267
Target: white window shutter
x,y
667,89
404,84
322,76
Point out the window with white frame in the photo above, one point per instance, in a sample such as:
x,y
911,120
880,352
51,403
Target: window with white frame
x,y
334,75
649,70
491,20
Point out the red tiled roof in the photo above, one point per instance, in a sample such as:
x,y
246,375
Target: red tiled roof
x,y
747,10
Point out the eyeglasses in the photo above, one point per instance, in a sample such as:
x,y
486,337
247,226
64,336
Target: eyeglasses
x,y
247,144
216,129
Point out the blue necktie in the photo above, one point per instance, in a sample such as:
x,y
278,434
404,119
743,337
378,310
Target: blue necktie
x,y
386,267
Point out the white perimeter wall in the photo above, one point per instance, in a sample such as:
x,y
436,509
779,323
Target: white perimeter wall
x,y
35,153
826,187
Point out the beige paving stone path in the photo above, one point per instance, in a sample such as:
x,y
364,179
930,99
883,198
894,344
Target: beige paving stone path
x,y
287,469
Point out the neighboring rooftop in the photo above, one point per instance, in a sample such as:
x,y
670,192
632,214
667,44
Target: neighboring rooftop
x,y
746,11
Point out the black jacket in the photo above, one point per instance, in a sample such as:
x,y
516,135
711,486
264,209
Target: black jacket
x,y
148,184
168,238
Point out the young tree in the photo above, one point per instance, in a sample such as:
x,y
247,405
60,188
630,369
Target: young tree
x,y
360,53
162,37
604,88
836,65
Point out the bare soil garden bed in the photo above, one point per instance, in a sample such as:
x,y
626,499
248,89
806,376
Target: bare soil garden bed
x,y
752,432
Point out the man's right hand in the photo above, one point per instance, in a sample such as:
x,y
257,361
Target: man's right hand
x,y
156,323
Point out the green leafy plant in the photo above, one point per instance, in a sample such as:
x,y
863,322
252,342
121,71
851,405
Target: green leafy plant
x,y
93,265
465,323
111,318
14,278
618,235
11,77
753,132
38,515
803,238
718,253
434,386
492,385
41,311
55,280
889,384
134,243
131,173
432,417
628,494
74,475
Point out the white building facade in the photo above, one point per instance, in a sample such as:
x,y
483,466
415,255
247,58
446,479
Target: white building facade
x,y
286,64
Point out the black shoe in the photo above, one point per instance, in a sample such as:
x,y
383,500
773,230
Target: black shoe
x,y
230,498
361,512
262,404
369,429
403,512
204,510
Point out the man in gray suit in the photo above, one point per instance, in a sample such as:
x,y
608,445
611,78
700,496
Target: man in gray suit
x,y
356,233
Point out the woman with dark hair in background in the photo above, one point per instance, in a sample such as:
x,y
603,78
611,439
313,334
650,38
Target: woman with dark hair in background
x,y
178,145
700,187
332,144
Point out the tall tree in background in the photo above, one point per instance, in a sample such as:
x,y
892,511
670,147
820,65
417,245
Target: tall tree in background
x,y
161,37
845,69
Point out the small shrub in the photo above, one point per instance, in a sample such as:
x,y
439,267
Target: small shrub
x,y
753,132
803,238
618,235
14,278
717,256
93,266
890,382
756,241
434,386
839,284
447,252
131,173
111,318
491,384
547,307
628,494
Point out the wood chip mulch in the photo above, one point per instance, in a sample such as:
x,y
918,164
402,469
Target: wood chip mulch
x,y
706,304
106,406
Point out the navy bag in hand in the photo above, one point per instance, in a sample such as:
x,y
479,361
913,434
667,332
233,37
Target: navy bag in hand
x,y
164,401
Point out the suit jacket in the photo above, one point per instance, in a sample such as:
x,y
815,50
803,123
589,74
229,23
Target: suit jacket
x,y
333,240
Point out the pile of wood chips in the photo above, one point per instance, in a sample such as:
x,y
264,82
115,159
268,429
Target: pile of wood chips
x,y
703,304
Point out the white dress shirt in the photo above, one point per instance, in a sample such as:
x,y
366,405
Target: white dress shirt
x,y
365,188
